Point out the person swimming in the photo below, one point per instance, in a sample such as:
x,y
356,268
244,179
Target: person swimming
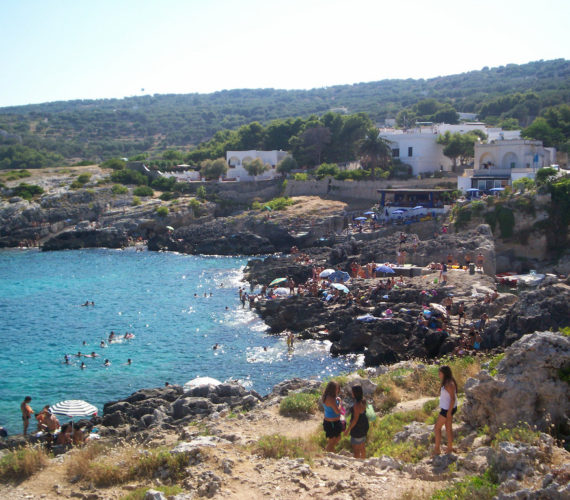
x,y
107,363
216,346
66,359
129,362
78,355
102,344
84,342
111,336
83,366
92,355
86,304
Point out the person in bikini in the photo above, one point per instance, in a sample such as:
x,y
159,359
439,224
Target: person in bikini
x,y
27,413
448,408
331,424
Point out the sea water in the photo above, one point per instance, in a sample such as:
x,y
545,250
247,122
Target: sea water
x,y
149,294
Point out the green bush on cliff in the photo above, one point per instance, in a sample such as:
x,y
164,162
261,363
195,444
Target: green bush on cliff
x,y
275,204
481,487
14,175
118,189
136,201
143,191
129,177
505,217
201,192
27,191
162,211
299,405
114,163
300,177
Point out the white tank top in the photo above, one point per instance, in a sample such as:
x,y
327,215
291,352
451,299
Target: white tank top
x,y
445,399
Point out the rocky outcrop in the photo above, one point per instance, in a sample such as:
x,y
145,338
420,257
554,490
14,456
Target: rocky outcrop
x,y
531,386
92,238
173,405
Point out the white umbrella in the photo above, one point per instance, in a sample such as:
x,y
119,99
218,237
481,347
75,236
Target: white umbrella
x,y
326,273
201,382
281,291
73,408
439,308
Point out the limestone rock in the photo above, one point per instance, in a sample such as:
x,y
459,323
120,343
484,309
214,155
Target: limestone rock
x,y
527,387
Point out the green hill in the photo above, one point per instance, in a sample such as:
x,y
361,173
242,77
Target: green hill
x,y
98,129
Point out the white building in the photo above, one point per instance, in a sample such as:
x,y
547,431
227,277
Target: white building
x,y
418,147
236,160
500,162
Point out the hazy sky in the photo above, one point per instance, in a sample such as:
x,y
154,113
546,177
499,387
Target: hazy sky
x,y
71,49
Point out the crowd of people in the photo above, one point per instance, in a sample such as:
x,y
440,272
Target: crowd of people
x,y
48,426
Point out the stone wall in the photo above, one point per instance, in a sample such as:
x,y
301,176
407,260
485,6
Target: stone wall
x,y
355,190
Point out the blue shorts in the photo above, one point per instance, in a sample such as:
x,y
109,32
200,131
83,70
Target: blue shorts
x,y
357,441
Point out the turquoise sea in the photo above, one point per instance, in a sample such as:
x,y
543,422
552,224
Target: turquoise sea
x,y
147,293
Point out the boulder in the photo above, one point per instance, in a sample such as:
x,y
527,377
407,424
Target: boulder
x,y
528,386
416,432
154,495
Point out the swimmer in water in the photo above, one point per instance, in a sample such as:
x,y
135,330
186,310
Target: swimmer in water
x,y
84,342
129,362
111,336
93,303
102,344
205,294
86,304
94,355
78,355
83,366
195,295
66,359
227,308
107,363
265,348
216,346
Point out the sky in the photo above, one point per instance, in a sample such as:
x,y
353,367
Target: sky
x,y
81,49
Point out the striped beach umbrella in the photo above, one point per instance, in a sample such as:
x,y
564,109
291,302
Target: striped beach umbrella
x,y
73,408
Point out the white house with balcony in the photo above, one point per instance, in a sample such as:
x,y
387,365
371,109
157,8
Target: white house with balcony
x,y
418,147
500,162
237,159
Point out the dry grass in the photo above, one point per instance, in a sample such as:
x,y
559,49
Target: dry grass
x,y
104,466
22,463
277,446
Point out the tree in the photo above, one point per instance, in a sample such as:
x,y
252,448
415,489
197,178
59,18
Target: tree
x,y
545,175
286,165
510,124
114,163
255,167
375,151
541,130
172,155
213,169
327,169
459,146
309,146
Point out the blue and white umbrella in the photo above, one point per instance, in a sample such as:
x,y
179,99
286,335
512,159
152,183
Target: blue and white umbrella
x,y
339,277
384,269
360,218
340,287
399,211
369,213
419,207
326,273
472,190
497,189
73,408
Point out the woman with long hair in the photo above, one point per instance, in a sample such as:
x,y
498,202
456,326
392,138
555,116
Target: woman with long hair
x,y
332,424
448,408
358,423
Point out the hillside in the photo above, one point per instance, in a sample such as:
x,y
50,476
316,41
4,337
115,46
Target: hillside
x,y
95,129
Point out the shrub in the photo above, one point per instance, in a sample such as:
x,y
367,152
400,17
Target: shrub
x,y
129,177
201,192
523,184
477,206
136,201
151,461
300,404
118,189
327,169
300,177
480,487
494,362
143,191
277,446
27,191
14,175
22,463
195,205
286,165
114,163
462,217
163,183
354,175
84,178
545,175
167,196
162,211
520,433
275,204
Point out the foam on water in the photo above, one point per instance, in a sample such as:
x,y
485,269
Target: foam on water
x,y
151,295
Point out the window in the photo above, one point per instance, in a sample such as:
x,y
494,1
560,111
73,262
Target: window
x,y
410,151
396,152
513,164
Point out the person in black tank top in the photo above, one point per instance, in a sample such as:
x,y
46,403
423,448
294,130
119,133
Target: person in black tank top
x,y
359,425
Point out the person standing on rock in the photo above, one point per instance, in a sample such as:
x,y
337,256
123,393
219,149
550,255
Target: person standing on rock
x,y
448,408
359,424
27,413
332,425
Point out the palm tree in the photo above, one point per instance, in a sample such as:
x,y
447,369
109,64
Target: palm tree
x,y
375,151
